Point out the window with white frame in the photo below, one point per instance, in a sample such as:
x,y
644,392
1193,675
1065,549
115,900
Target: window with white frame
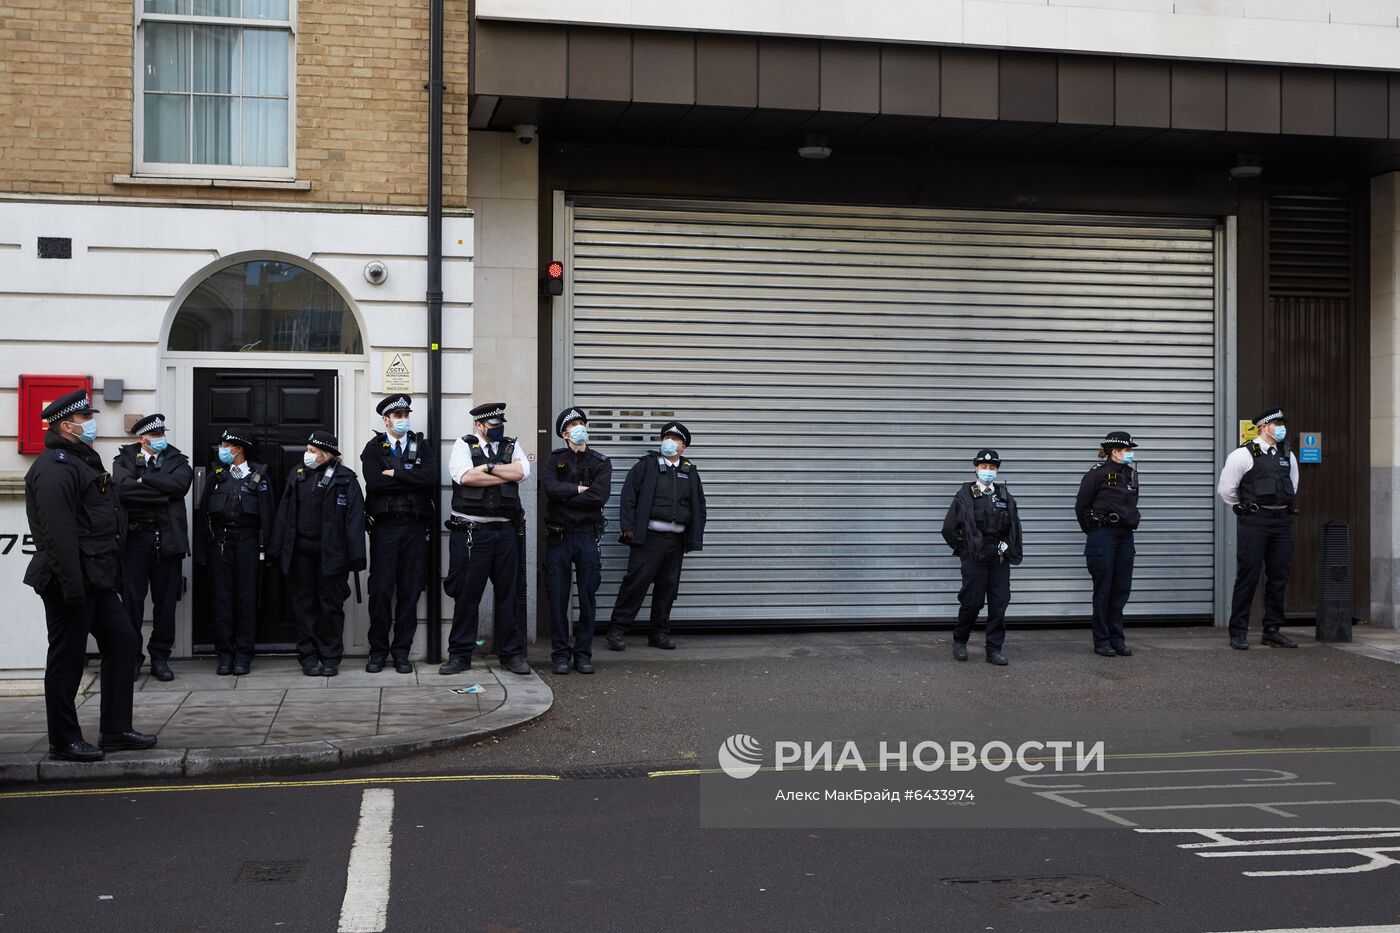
x,y
215,94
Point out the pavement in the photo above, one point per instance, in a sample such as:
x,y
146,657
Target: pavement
x,y
277,720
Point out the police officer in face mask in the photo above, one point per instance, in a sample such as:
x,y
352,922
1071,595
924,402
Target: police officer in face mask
x,y
71,504
487,468
1108,513
662,514
577,481
152,480
319,539
983,527
237,510
1260,481
400,469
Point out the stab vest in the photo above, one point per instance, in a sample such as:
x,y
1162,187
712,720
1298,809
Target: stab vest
x,y
1269,481
399,502
992,516
501,501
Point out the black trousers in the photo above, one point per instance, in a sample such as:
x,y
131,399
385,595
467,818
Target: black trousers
x,y
576,551
654,564
100,613
236,569
319,603
143,568
487,553
984,582
1265,545
1109,553
398,561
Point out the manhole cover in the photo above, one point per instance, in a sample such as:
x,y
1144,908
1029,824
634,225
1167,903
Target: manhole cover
x,y
271,872
1055,893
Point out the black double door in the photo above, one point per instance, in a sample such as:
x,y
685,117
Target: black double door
x,y
278,409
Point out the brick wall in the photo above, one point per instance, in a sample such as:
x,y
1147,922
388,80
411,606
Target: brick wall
x,y
361,137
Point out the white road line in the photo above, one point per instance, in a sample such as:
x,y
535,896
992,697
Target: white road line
x,y
366,905
1384,928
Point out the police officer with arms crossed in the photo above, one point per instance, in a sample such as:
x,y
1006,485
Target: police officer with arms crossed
x,y
1108,513
983,527
320,539
1260,481
71,503
152,480
401,477
237,509
663,518
577,481
487,468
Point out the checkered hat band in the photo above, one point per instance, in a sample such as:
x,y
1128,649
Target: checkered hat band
x,y
68,409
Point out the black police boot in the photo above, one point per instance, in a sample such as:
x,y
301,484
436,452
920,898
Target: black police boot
x,y
661,640
161,671
1239,642
311,667
241,668
997,658
374,665
129,740
559,666
516,665
403,665
1104,652
583,665
1273,638
959,651
330,668
1123,651
616,640
455,665
77,751
225,667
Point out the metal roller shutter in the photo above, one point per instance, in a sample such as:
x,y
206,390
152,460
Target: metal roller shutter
x,y
838,366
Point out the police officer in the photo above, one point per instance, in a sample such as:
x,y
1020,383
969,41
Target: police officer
x,y
1260,481
1108,513
577,481
983,527
319,539
152,480
487,469
237,508
71,504
400,469
662,516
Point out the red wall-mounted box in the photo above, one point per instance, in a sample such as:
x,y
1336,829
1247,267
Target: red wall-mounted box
x,y
34,393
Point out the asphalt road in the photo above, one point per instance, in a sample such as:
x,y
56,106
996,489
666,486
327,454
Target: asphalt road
x,y
602,815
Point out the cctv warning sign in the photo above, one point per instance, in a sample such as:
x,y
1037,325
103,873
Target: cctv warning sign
x,y
398,372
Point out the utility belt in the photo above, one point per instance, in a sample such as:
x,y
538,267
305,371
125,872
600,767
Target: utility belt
x,y
555,531
394,518
235,532
462,524
139,527
1254,508
1098,518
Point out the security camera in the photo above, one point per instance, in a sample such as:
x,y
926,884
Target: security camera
x,y
525,132
376,273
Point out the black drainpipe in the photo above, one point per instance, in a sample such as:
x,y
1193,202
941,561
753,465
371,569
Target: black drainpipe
x,y
435,89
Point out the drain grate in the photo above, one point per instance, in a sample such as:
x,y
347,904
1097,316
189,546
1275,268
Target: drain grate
x,y
605,771
1050,894
271,872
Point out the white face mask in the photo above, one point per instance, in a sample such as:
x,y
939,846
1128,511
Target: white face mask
x,y
310,460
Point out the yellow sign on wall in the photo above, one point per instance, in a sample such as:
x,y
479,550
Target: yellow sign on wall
x,y
1248,432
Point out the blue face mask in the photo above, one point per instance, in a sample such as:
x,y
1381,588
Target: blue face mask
x,y
158,444
669,448
495,434
400,426
578,434
1280,433
89,430
226,456
1128,457
987,476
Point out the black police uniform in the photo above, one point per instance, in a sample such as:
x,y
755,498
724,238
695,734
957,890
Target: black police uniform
x,y
977,522
1108,514
237,526
151,490
573,530
319,539
479,552
398,509
1265,542
655,490
71,504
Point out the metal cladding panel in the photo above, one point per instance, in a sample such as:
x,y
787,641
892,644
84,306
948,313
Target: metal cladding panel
x,y
839,366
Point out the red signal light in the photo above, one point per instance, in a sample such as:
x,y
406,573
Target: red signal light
x,y
552,282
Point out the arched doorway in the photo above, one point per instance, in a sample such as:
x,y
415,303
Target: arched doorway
x,y
273,346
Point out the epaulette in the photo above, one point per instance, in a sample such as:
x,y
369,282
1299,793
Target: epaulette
x,y
218,469
61,456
